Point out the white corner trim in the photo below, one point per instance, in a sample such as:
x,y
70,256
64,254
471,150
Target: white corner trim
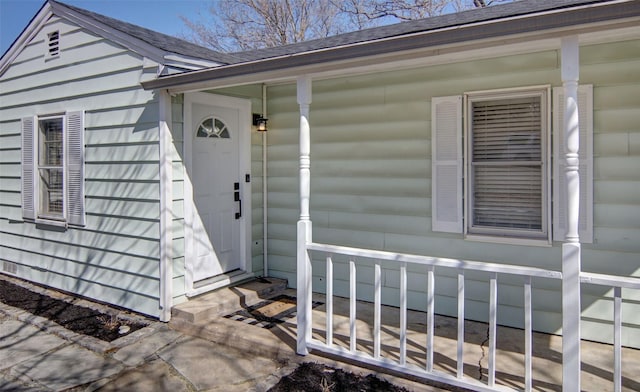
x,y
166,207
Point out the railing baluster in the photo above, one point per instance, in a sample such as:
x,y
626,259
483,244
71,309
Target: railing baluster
x,y
402,262
617,339
430,317
352,305
460,356
403,313
493,312
528,338
376,311
329,300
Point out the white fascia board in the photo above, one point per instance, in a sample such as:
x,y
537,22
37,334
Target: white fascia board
x,y
173,59
26,36
475,50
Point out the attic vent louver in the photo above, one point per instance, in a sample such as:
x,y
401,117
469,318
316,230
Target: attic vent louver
x,y
53,44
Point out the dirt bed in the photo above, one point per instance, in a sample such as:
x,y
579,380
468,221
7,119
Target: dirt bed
x,y
313,377
76,318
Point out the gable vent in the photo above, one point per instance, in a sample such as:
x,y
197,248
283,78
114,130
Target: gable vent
x,y
10,268
53,44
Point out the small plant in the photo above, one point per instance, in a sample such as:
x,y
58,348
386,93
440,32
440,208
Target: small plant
x,y
325,386
110,322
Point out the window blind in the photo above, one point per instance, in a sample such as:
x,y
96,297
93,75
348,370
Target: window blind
x,y
506,163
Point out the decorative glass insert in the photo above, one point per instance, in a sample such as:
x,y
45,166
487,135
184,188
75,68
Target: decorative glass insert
x,y
214,128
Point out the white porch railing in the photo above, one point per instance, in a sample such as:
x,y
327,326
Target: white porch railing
x,y
306,341
617,283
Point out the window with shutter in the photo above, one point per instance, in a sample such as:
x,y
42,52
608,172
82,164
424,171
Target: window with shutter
x,y
507,164
53,169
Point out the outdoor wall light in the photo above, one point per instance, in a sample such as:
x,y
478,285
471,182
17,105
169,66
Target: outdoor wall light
x,y
260,122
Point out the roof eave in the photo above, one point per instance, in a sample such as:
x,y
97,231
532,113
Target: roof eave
x,y
26,36
565,20
136,45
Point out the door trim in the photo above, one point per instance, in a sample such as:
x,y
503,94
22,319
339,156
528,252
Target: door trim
x,y
244,160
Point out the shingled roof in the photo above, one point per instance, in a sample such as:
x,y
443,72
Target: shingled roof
x,y
500,11
411,39
161,41
175,45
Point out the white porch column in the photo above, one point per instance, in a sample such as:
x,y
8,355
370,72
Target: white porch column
x,y
570,58
304,224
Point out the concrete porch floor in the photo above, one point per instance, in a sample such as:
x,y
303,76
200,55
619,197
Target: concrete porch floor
x,y
196,318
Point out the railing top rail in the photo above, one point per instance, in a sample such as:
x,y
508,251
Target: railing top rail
x,y
628,282
436,261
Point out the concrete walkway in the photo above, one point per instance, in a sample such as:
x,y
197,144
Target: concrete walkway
x,y
39,355
157,359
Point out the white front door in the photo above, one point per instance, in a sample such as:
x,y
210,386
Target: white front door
x,y
218,186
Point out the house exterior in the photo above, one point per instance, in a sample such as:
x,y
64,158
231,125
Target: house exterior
x,y
80,179
441,137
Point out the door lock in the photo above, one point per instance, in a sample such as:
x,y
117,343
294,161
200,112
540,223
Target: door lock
x,y
236,197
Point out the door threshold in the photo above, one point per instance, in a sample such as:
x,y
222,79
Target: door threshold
x,y
219,281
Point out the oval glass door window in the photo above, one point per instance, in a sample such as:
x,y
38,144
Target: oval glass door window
x,y
213,127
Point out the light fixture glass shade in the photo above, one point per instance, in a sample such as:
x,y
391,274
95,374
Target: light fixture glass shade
x,y
260,122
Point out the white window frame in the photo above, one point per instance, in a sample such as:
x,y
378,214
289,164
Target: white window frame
x,y
507,235
41,215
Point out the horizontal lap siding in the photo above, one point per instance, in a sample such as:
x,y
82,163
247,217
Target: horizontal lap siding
x,y
115,257
371,187
614,73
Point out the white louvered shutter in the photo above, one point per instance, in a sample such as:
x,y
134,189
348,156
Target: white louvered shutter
x,y
75,168
585,155
446,168
28,167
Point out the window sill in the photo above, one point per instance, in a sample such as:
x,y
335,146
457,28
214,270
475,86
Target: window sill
x,y
509,240
46,224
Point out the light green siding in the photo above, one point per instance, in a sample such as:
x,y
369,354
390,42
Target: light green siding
x,y
115,257
371,183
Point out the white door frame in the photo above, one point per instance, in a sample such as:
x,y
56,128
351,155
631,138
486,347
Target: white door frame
x,y
244,134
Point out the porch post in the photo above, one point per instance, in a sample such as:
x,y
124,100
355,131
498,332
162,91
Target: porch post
x,y
571,248
304,224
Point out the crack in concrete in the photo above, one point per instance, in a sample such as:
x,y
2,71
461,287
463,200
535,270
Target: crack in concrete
x,y
480,369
